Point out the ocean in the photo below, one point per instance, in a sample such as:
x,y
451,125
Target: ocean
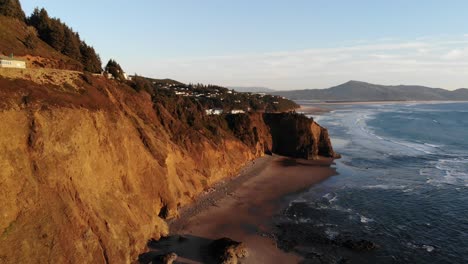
x,y
402,184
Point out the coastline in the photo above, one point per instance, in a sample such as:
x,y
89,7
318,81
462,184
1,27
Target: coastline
x,y
312,110
319,104
243,209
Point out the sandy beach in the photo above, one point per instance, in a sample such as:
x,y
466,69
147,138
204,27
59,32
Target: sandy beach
x,y
313,110
242,209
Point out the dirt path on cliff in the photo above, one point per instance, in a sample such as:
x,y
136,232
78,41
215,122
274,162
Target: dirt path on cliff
x,y
243,209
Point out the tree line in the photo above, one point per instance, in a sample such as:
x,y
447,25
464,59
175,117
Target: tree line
x,y
55,33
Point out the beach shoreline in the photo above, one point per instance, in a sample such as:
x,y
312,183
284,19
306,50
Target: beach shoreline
x,y
319,104
243,209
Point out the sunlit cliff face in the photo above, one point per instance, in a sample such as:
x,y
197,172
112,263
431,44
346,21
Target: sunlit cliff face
x,y
89,172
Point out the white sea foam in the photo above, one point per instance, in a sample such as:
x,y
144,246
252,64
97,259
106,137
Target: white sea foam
x,y
433,145
428,248
331,234
361,134
452,171
385,187
331,197
365,220
415,146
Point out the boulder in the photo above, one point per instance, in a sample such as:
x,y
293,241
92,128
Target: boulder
x,y
168,258
360,245
228,251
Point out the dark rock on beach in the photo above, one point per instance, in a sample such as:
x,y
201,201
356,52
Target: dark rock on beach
x,y
228,251
360,245
164,259
316,247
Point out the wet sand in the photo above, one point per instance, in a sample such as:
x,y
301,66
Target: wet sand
x,y
243,209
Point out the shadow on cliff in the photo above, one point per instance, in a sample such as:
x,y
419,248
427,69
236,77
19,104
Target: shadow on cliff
x,y
188,248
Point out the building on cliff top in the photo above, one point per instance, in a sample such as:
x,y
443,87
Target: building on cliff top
x,y
237,111
214,111
10,62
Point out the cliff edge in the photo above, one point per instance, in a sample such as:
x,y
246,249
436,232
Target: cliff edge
x,y
91,168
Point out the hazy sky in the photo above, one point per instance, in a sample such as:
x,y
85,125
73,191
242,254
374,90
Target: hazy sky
x,y
277,44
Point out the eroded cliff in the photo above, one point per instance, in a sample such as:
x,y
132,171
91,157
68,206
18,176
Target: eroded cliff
x,y
89,167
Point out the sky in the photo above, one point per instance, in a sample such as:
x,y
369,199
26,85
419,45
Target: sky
x,y
284,45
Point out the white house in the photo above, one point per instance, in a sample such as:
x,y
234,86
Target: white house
x,y
237,111
214,111
109,75
12,63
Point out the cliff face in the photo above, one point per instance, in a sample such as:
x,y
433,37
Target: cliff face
x,y
89,169
298,136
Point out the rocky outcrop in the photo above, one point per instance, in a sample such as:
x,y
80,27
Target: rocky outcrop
x,y
252,130
322,144
287,134
228,251
164,259
90,168
297,136
342,248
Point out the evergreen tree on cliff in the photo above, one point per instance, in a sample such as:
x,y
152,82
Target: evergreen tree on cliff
x,y
40,20
72,47
12,8
56,35
63,39
90,59
114,68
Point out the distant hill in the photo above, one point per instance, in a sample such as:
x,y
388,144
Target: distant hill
x,y
252,89
362,91
162,81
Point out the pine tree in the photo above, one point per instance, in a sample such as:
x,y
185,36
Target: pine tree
x,y
41,21
12,8
114,68
65,40
56,35
72,45
90,59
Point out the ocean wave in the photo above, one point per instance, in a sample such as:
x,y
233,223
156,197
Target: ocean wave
x,y
433,145
452,171
415,146
331,197
365,220
358,128
428,248
384,187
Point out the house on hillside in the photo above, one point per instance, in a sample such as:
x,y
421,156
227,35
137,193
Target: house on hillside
x,y
237,111
10,62
214,111
126,76
109,75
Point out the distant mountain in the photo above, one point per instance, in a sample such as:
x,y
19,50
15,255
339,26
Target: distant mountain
x,y
362,91
253,89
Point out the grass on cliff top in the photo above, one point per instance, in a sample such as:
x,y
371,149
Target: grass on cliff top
x,y
68,80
